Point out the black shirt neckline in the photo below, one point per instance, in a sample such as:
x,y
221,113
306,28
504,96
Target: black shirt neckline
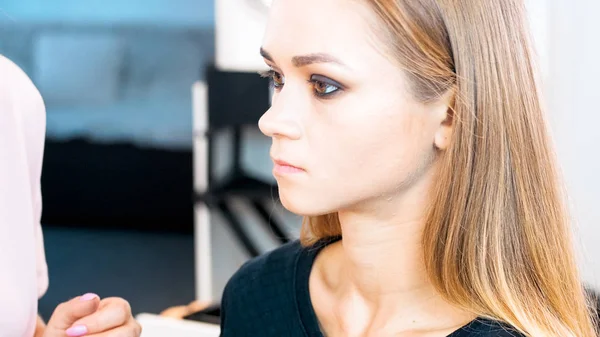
x,y
306,313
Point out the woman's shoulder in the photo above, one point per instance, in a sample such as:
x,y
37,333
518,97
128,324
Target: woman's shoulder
x,y
483,327
278,267
260,296
269,272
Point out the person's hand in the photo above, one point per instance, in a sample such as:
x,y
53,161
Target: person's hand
x,y
184,310
40,327
89,316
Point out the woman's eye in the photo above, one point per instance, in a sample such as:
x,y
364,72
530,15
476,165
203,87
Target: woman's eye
x,y
324,86
278,79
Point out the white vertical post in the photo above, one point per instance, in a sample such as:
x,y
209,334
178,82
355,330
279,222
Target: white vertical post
x,y
202,232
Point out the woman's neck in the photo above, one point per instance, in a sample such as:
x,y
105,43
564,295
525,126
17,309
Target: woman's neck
x,y
381,250
381,260
376,273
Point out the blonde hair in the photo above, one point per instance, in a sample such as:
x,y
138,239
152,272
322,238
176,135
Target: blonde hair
x,y
497,239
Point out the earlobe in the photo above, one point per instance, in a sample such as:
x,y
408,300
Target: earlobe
x,y
442,140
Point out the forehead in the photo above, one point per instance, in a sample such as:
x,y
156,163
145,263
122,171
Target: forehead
x,y
341,28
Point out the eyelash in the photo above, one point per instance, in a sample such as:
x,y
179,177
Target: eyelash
x,y
270,74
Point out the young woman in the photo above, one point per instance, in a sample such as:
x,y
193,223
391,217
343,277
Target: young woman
x,y
411,136
23,271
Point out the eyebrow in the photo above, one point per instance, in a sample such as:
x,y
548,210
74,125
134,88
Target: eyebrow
x,y
304,60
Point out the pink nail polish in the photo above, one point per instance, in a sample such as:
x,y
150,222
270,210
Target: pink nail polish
x,y
89,297
77,331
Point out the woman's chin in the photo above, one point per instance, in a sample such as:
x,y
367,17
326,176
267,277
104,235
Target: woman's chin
x,y
304,206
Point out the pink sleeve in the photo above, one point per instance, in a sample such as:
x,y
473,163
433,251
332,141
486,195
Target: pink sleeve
x,y
41,266
35,122
23,271
33,114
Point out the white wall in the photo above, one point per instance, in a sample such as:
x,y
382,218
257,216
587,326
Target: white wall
x,y
239,30
573,93
538,11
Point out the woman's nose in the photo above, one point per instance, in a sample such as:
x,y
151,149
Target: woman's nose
x,y
278,123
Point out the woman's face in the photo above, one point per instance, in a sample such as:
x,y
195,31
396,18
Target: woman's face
x,y
342,112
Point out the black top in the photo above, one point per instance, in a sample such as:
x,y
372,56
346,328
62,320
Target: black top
x,y
269,297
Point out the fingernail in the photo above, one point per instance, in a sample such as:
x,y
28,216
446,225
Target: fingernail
x,y
76,331
88,297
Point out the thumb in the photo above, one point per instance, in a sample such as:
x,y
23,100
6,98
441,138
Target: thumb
x,y
69,312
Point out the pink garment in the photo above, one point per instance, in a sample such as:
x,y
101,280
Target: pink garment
x,y
23,271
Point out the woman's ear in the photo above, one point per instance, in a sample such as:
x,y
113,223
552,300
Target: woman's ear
x,y
444,132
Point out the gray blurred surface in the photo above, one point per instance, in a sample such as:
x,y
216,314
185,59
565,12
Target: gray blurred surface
x,y
151,270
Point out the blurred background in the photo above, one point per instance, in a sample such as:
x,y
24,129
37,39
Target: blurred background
x,y
156,181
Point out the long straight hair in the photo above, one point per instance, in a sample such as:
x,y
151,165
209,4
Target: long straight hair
x,y
497,239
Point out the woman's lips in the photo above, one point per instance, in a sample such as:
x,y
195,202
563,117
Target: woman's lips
x,y
283,167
